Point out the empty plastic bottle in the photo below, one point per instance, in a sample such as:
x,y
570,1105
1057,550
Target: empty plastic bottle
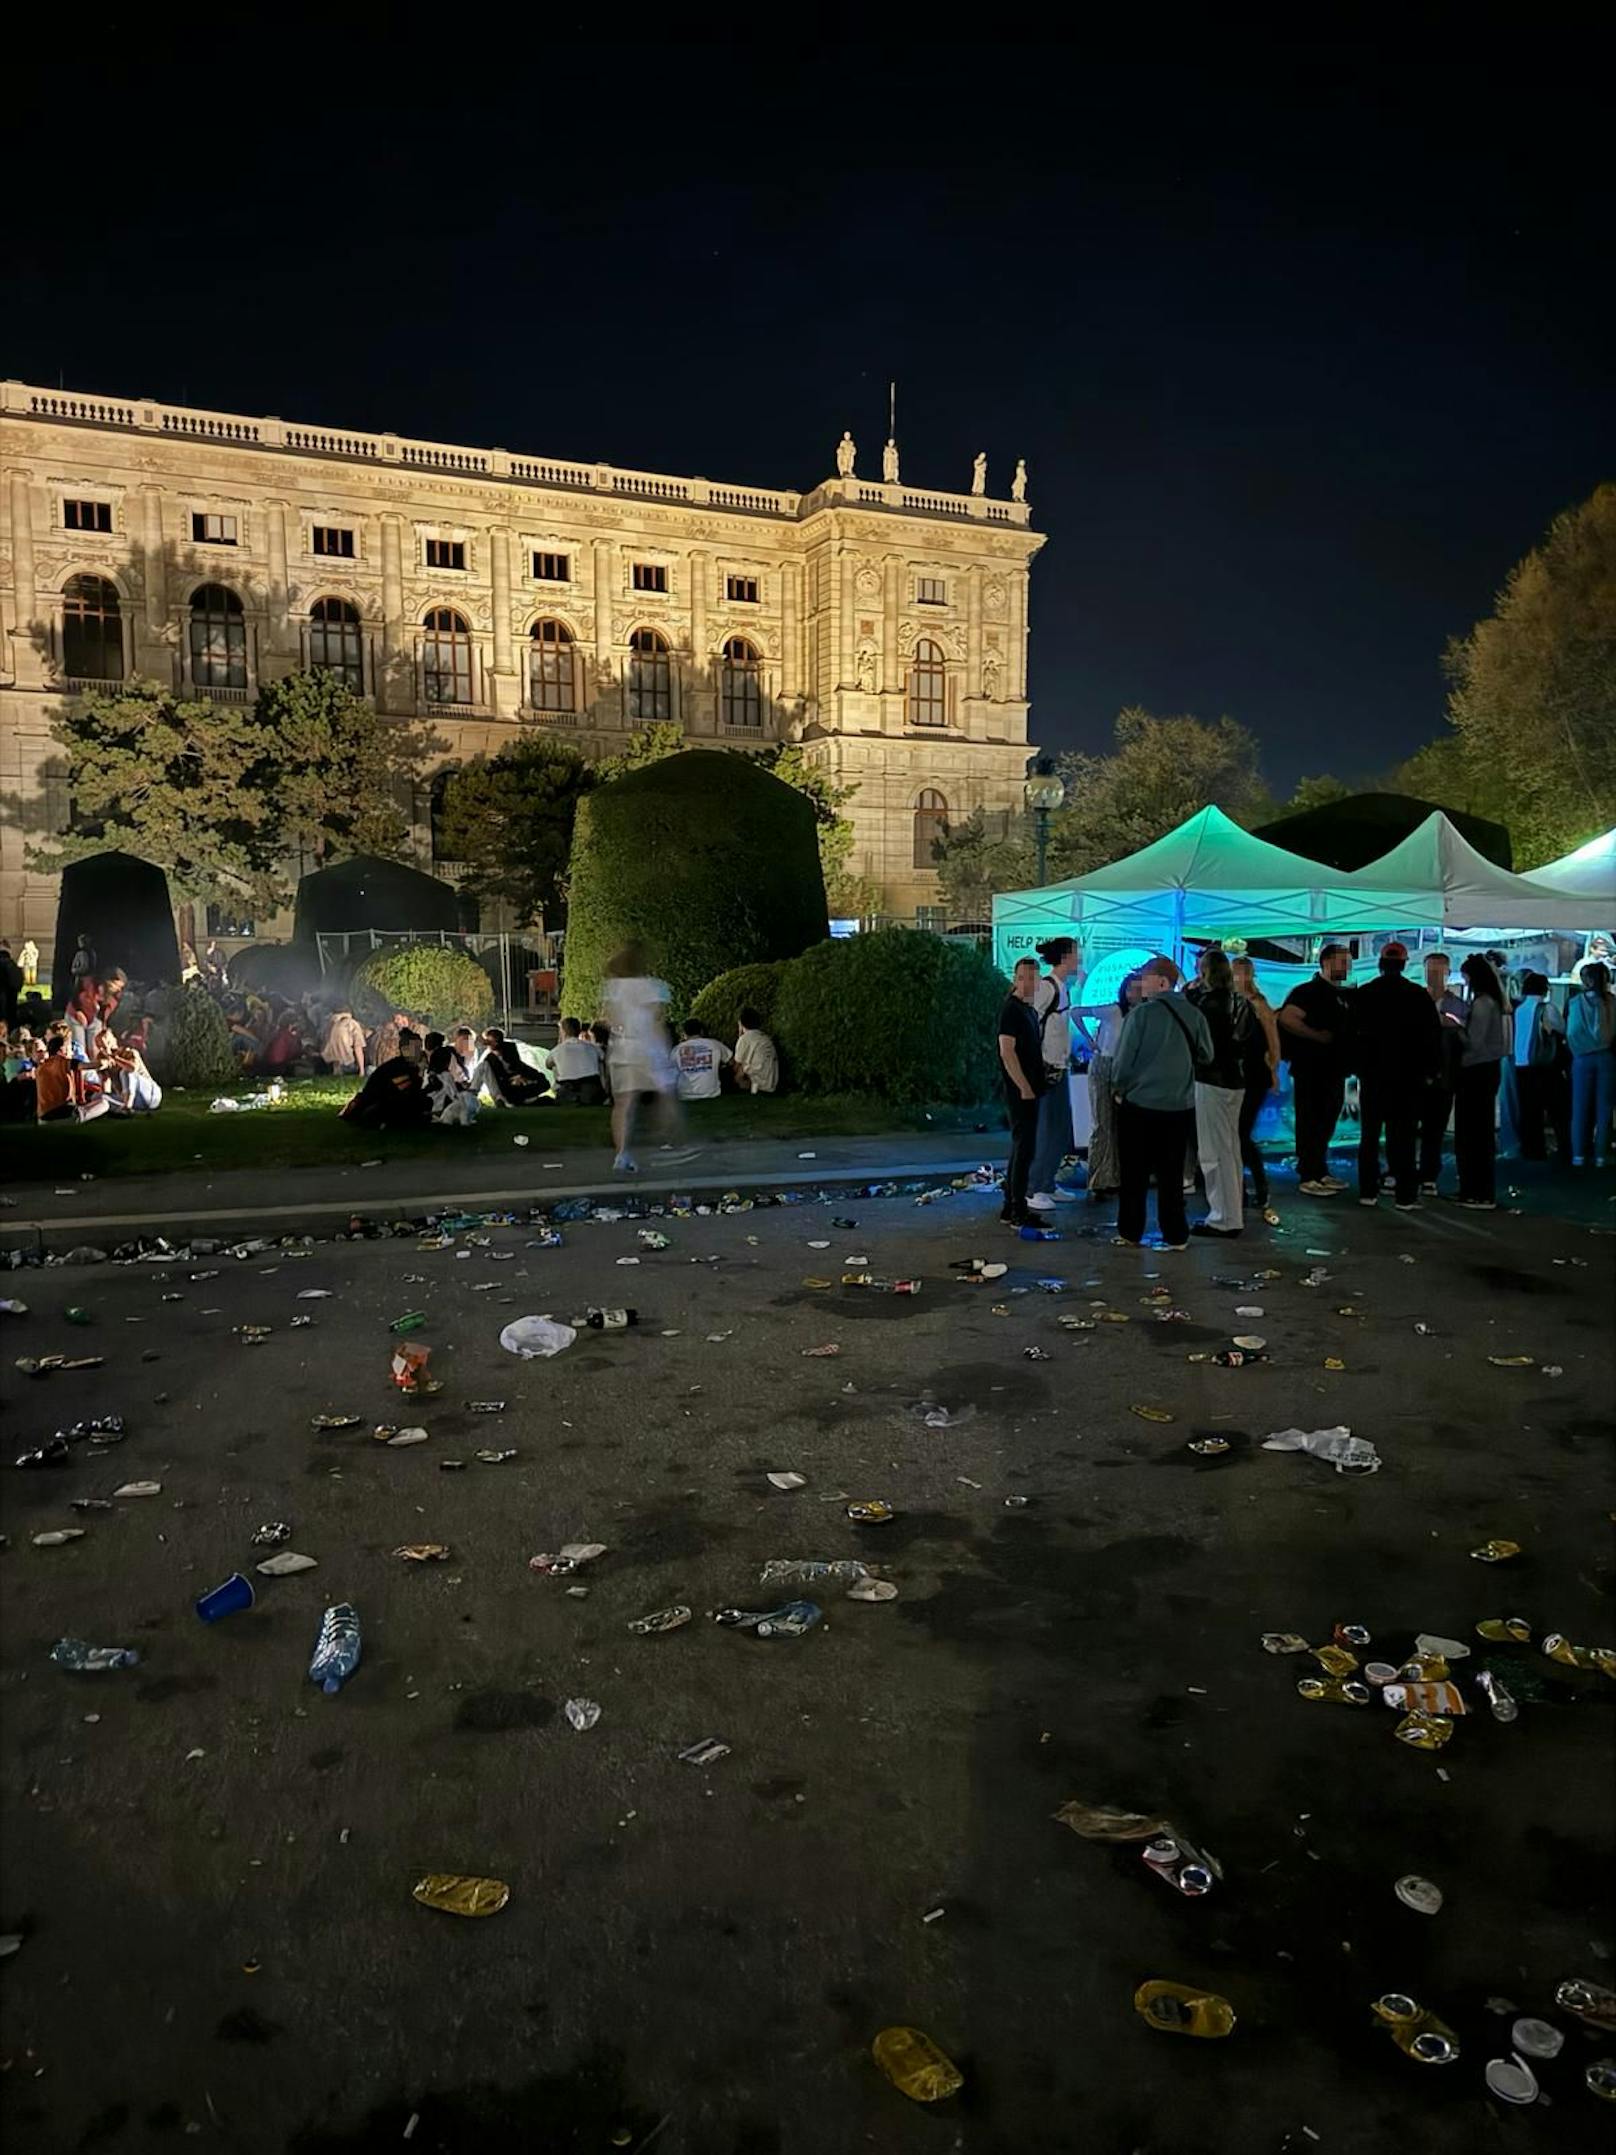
x,y
813,1571
76,1654
789,1621
336,1651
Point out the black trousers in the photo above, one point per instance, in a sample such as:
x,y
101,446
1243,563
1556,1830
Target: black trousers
x,y
1023,1116
1151,1141
1543,1094
1250,1152
1475,1129
1318,1098
1391,1104
1436,1105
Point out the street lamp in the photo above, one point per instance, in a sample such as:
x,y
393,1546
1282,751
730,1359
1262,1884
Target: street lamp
x,y
1043,793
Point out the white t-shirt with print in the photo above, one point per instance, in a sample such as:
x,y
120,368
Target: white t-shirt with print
x,y
757,1061
698,1063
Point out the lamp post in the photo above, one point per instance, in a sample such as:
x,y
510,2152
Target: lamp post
x,y
1043,793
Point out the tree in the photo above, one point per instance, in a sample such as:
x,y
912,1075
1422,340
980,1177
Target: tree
x,y
1534,687
972,864
646,744
225,797
848,896
1316,793
509,818
1444,771
1163,770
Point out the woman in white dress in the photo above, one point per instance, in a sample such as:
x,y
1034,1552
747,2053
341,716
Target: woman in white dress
x,y
639,1052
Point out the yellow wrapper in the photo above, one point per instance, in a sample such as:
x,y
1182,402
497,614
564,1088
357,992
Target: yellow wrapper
x,y
462,1896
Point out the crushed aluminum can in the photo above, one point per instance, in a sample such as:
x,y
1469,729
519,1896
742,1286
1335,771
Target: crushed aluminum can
x,y
1333,1691
458,1896
1351,1634
1419,1894
1335,1660
1151,1414
870,1512
272,1532
705,1753
252,1335
1207,1447
336,1421
672,1618
492,1458
1037,1354
1176,1861
1284,1642
1561,1649
1423,1731
582,1713
1496,1552
1505,1630
789,1621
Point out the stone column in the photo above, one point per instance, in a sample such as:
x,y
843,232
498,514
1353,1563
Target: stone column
x,y
397,685
279,624
790,632
701,710
847,602
499,571
973,632
891,661
22,567
605,569
1018,635
154,562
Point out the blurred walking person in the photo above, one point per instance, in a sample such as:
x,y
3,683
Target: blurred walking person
x,y
640,1053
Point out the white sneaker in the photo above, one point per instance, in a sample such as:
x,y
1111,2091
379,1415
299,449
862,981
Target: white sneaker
x,y
1319,1189
1041,1203
1335,1182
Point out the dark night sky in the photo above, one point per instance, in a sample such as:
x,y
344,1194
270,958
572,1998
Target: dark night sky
x,y
1301,359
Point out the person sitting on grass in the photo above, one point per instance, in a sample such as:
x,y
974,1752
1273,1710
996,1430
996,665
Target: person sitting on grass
x,y
574,1065
509,1081
58,1087
384,1041
757,1064
343,1048
393,1097
130,1086
450,1102
699,1061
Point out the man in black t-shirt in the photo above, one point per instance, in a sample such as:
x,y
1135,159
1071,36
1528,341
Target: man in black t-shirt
x,y
1315,1031
1021,1058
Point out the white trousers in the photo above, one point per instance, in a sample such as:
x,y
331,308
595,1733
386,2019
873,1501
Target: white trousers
x,y
1217,1142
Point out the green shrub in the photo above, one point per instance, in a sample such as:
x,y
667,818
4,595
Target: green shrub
x,y
702,857
189,1044
288,969
717,1009
427,979
899,1013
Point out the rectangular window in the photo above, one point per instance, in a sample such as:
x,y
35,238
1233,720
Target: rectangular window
x,y
742,590
333,539
445,553
930,591
213,530
87,515
552,568
650,576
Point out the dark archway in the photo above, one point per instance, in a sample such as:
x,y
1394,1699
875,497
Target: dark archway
x,y
122,904
369,893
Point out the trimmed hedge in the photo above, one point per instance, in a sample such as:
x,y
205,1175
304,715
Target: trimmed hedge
x,y
429,981
705,859
717,1009
898,1013
189,1043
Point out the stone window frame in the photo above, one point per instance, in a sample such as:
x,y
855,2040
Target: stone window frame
x,y
530,645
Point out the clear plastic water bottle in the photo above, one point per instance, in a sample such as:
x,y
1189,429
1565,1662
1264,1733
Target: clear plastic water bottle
x,y
336,1651
77,1654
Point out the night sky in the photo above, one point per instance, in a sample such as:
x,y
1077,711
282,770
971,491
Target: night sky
x,y
1302,356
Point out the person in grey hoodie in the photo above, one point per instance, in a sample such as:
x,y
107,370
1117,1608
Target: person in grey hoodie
x,y
1475,1105
1163,1046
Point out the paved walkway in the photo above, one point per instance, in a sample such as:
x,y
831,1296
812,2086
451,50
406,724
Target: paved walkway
x,y
293,1199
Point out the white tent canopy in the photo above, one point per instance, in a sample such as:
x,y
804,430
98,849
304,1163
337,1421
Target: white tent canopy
x,y
1209,878
1589,873
1474,891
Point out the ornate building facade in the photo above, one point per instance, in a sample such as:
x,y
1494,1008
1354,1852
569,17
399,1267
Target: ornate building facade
x,y
882,626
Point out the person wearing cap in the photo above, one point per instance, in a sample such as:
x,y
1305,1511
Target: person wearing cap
x,y
1399,1044
1165,1045
1315,1030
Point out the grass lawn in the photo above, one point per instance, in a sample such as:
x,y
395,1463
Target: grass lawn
x,y
306,1131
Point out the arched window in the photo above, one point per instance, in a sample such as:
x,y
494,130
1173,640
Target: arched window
x,y
931,823
551,676
92,632
334,640
650,678
218,639
741,684
928,687
446,657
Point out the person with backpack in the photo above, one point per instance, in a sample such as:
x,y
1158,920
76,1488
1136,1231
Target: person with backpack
x,y
1163,1047
1220,1092
1315,1030
1591,1036
1542,1094
1399,1055
1052,1004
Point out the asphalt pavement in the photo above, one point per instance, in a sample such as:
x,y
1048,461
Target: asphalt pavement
x,y
210,1863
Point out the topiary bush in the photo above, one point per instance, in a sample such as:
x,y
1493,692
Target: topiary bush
x,y
704,858
289,969
189,1042
717,1009
430,981
899,1013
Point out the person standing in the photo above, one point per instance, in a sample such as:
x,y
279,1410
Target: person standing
x,y
1591,1036
1021,1059
1475,1106
29,959
639,1054
1399,1038
1436,1106
1537,1049
1262,1076
1105,1168
11,984
1052,1004
1315,1027
1153,1075
1220,1092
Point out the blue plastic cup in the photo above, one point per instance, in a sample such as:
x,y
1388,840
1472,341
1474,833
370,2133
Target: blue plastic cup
x,y
236,1593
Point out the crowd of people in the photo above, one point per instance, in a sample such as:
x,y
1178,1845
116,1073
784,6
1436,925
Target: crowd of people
x,y
1179,1073
82,1065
